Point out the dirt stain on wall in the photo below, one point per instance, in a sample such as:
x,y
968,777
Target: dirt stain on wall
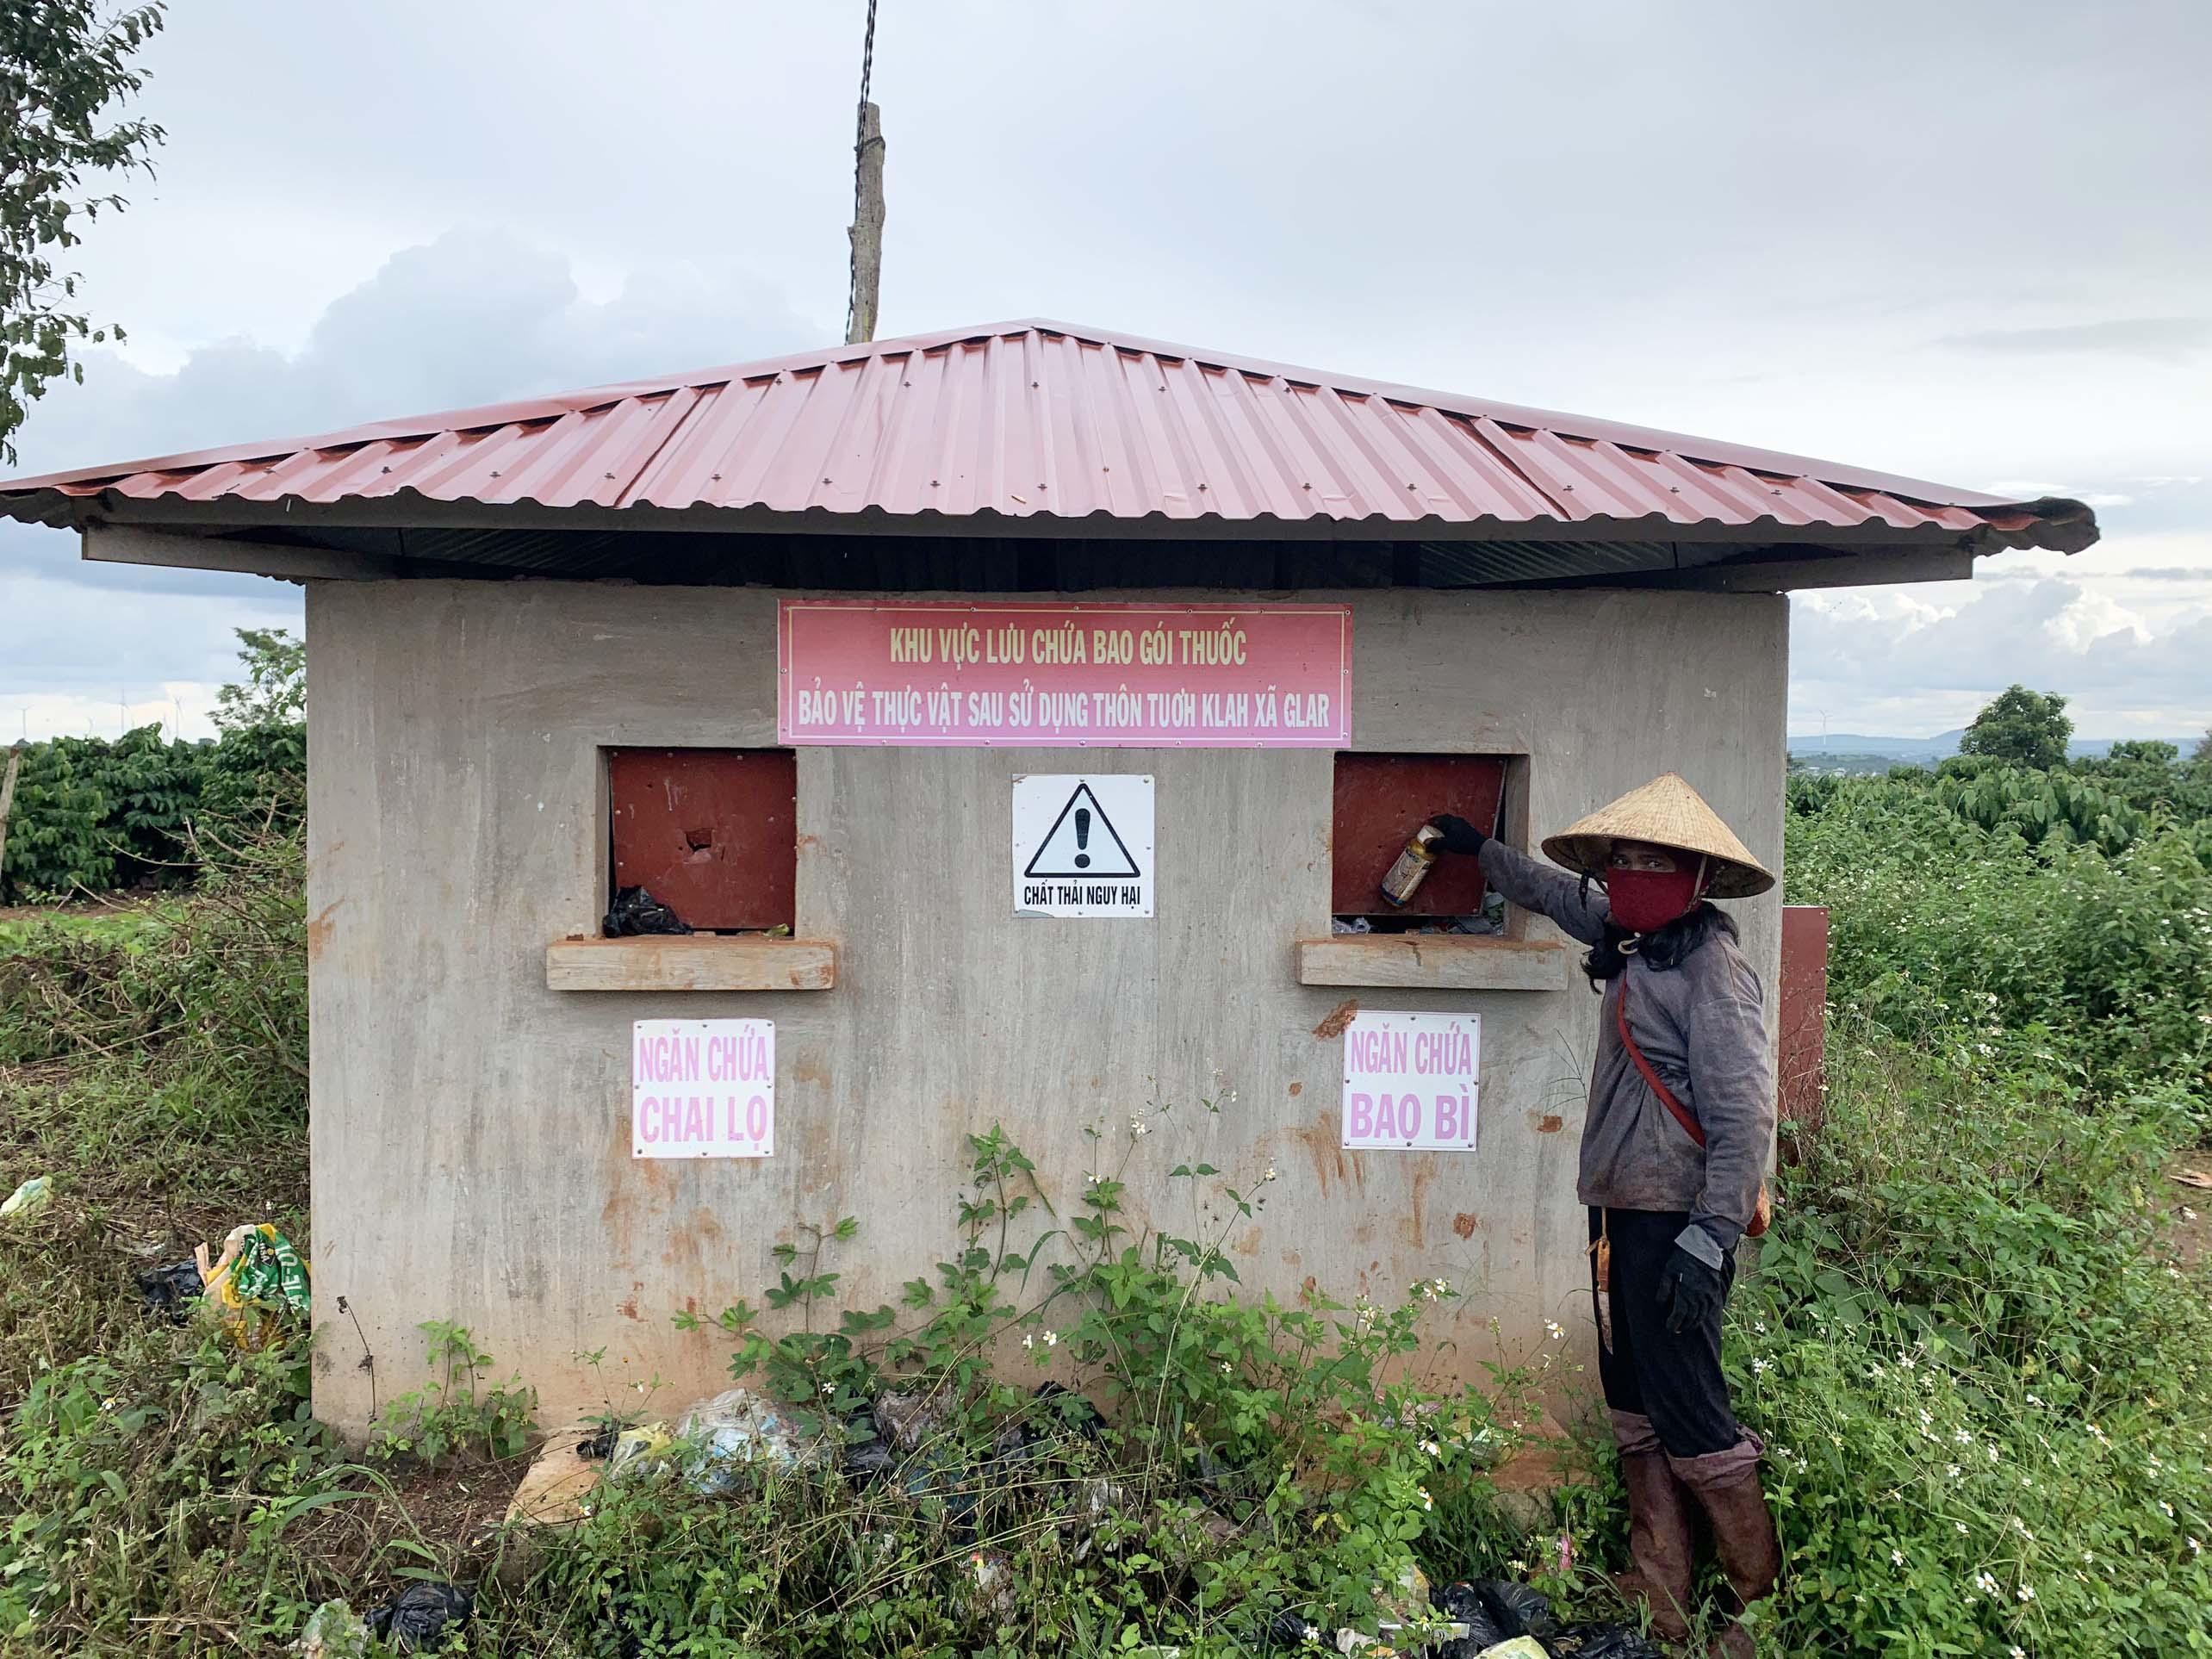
x,y
320,929
1465,1225
1546,1122
1320,1140
1340,1017
1414,1229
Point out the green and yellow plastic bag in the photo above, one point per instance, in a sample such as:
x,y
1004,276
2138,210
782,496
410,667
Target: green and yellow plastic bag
x,y
260,1279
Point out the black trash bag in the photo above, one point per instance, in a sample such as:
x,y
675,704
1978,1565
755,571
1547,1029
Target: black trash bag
x,y
1603,1641
416,1620
636,912
1519,1610
865,1459
1287,1630
166,1290
598,1447
1069,1409
1463,1604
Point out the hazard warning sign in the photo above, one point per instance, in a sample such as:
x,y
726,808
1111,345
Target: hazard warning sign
x,y
1083,846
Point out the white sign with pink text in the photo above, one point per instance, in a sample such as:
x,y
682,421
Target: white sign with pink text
x,y
703,1089
1410,1081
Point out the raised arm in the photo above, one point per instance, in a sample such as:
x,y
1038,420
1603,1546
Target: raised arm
x,y
1534,885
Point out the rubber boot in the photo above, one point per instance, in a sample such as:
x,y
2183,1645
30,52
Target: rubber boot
x,y
1659,1543
1726,1486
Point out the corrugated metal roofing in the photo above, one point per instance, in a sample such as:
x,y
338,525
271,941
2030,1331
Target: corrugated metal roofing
x,y
1032,421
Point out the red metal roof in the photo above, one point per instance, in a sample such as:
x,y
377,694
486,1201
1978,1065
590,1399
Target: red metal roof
x,y
1037,420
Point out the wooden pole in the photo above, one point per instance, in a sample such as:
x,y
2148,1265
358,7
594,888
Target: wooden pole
x,y
866,232
8,796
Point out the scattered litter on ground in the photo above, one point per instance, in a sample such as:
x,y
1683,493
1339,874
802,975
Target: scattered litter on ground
x,y
636,912
1602,1642
258,1277
415,1621
2193,1178
1519,1610
723,1436
993,1573
559,1480
866,1457
1462,1603
1071,1409
333,1630
170,1289
1516,1647
641,1453
34,1196
598,1447
910,1421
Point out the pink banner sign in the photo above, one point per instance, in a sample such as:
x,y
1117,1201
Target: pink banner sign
x,y
1064,675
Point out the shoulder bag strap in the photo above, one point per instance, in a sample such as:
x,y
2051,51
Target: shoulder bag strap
x,y
1690,1125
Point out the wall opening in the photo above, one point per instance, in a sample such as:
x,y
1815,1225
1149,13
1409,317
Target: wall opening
x,y
711,833
1381,801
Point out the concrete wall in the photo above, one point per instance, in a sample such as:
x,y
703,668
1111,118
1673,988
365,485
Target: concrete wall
x,y
471,1151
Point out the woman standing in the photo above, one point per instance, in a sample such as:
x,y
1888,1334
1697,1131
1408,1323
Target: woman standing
x,y
1674,1161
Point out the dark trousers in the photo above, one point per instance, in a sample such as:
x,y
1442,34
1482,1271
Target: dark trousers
x,y
1673,1378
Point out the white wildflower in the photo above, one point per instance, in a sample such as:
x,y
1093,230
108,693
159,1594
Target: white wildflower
x,y
1985,1584
1028,1342
1267,1174
1896,1557
1427,1502
1759,1367
1052,1338
1554,1329
2026,1593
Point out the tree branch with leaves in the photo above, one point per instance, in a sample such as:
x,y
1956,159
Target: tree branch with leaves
x,y
64,65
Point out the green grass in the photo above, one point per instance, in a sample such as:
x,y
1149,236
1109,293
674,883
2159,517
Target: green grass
x,y
1983,1369
26,929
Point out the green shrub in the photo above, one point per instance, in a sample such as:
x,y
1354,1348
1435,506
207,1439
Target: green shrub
x,y
1939,926
1981,1370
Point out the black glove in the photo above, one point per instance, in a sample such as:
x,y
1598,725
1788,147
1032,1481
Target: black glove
x,y
1691,1292
1459,835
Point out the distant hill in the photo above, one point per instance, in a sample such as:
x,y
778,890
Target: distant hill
x,y
1858,751
1925,750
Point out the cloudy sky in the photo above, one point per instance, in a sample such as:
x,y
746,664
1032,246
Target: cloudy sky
x,y
1970,241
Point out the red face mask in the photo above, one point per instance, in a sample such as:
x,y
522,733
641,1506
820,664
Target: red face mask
x,y
1644,901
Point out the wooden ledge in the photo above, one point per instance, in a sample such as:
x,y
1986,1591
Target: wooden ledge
x,y
697,961
1439,962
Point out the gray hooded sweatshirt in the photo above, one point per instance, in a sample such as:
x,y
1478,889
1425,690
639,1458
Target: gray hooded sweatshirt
x,y
1701,1026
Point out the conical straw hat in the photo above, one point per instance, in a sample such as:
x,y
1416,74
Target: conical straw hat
x,y
1665,812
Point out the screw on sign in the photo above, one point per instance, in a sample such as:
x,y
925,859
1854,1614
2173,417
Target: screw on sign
x,y
703,1089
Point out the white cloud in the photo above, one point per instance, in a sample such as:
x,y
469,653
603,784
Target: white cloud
x,y
75,652
1894,662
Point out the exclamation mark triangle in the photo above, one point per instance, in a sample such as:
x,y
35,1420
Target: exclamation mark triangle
x,y
1082,845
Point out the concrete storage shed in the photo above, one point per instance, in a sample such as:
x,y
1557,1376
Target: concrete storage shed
x,y
1026,714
